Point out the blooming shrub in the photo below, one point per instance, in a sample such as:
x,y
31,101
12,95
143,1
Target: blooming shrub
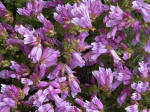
x,y
75,56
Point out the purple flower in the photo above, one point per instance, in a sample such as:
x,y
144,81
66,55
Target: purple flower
x,y
26,11
123,75
115,16
88,58
77,14
38,5
54,74
6,103
112,33
136,96
15,66
26,90
45,108
73,82
137,38
74,85
115,85
39,97
124,93
116,58
13,41
81,16
49,57
140,87
30,38
147,47
122,99
52,4
57,83
77,60
132,108
63,14
98,48
95,7
68,70
52,93
10,91
143,8
126,55
47,24
42,84
94,106
26,81
103,47
143,69
83,46
20,69
117,19
33,8
67,108
7,74
104,77
97,103
2,9
80,102
54,96
36,53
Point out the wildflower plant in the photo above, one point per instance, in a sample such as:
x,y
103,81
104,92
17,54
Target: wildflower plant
x,y
74,56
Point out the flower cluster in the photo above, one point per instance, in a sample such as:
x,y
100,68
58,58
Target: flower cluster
x,y
84,56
